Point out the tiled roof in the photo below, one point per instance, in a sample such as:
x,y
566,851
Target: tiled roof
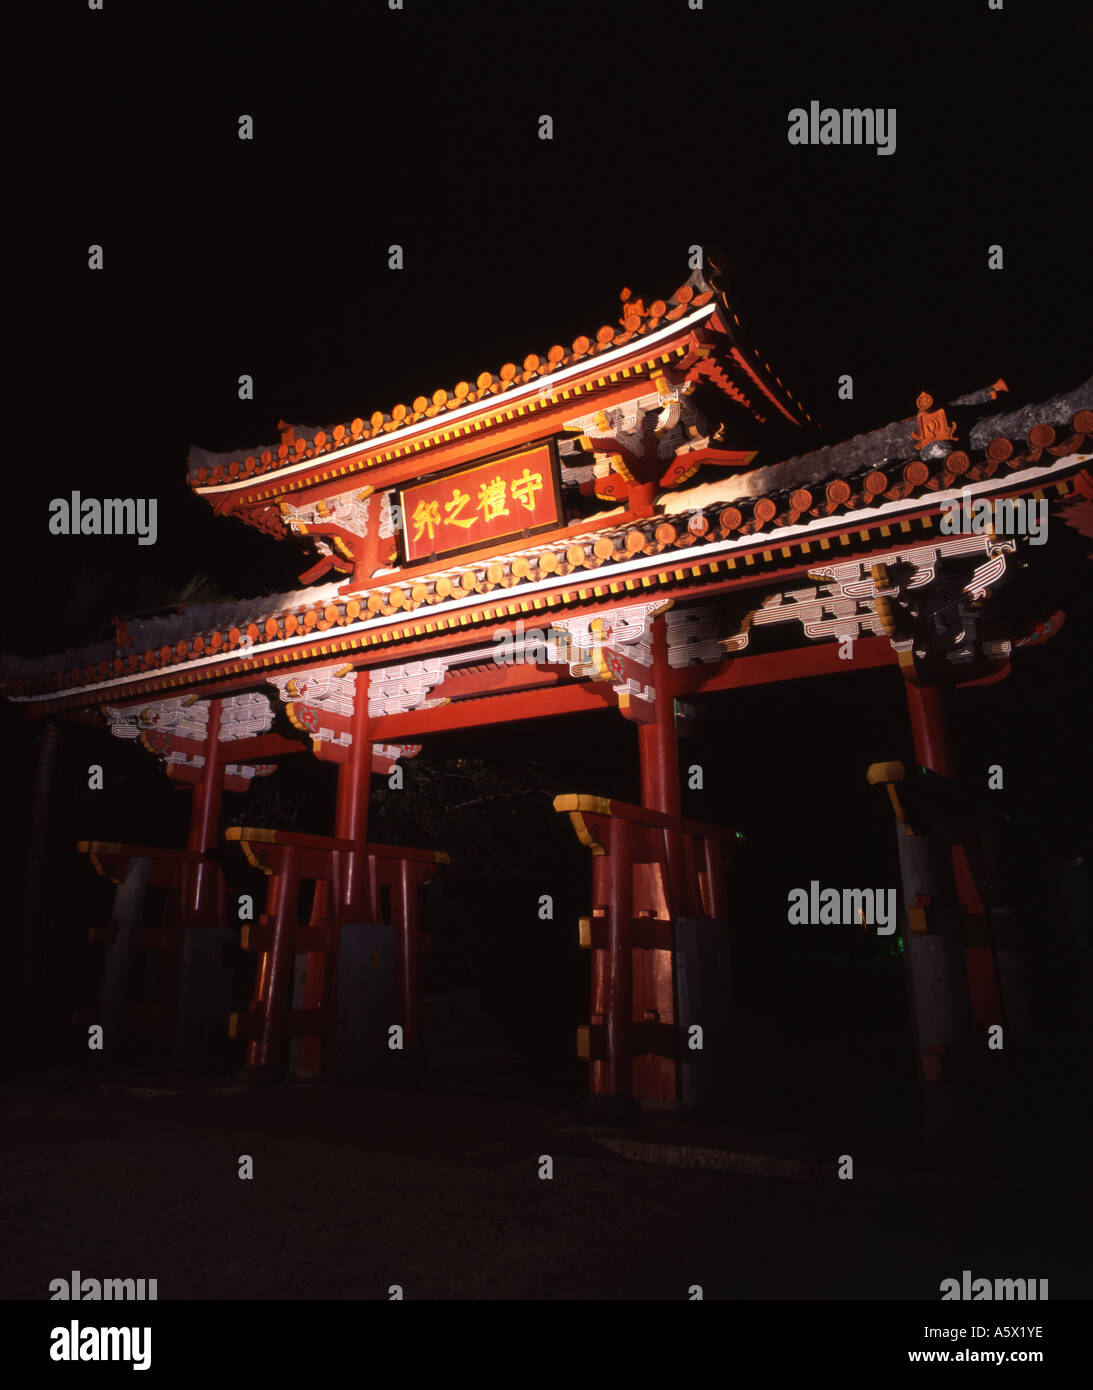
x,y
893,444
153,634
638,320
884,466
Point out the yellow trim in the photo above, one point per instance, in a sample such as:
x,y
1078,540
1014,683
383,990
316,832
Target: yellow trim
x,y
887,775
879,774
575,805
255,862
93,848
290,710
244,835
578,801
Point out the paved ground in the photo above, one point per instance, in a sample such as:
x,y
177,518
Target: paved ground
x,y
355,1190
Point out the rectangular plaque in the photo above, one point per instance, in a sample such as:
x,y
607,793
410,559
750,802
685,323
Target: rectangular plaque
x,y
466,510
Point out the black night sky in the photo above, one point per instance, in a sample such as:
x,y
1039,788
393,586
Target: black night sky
x,y
419,127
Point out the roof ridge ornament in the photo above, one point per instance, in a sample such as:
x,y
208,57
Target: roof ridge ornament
x,y
935,431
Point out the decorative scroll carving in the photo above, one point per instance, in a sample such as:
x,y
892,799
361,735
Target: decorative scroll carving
x,y
187,718
897,593
248,771
636,438
617,646
320,703
389,524
328,689
821,615
245,716
347,510
692,636
397,689
163,725
629,627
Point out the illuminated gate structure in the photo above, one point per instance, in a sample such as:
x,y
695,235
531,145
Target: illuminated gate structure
x,y
533,543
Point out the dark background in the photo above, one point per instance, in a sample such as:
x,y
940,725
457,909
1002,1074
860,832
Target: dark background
x,y
269,257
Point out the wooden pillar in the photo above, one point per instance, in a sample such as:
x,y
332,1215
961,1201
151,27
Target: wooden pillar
x,y
36,823
618,965
658,749
351,814
275,974
715,903
929,710
369,550
641,498
405,914
928,705
202,894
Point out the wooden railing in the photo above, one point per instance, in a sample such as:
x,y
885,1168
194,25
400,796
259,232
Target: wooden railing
x,y
288,859
632,1042
139,994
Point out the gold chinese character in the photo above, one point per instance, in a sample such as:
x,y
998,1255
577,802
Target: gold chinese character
x,y
426,517
491,500
455,506
526,486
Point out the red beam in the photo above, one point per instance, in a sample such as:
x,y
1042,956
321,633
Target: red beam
x,y
498,679
819,660
261,747
495,709
577,698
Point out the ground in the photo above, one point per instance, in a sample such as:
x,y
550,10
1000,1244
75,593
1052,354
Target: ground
x,y
439,1191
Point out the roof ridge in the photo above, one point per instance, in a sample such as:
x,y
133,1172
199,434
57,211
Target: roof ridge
x,y
637,321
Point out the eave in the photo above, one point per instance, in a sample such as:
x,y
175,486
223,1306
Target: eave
x,y
711,562
396,455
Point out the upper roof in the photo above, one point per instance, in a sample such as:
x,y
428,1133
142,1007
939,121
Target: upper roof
x,y
738,372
